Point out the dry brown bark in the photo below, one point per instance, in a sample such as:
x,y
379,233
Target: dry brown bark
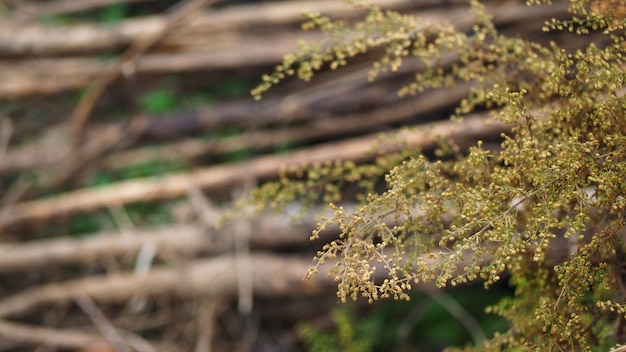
x,y
66,39
10,331
198,46
46,40
273,276
188,240
41,40
270,276
239,113
357,149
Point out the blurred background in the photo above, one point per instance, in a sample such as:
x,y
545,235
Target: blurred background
x,y
127,131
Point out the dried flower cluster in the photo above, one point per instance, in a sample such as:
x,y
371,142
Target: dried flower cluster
x,y
549,208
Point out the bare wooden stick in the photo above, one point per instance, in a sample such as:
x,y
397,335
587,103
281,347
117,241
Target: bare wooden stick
x,y
25,77
273,276
115,338
102,323
46,40
60,338
10,331
206,324
242,233
53,252
238,113
357,149
270,231
245,112
41,76
40,40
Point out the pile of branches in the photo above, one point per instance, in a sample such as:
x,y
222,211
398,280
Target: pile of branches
x,y
183,284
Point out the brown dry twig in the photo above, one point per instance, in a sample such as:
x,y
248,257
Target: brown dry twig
x,y
209,41
189,240
10,331
57,338
357,149
216,276
113,336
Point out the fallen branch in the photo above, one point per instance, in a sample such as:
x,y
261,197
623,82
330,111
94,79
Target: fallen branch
x,y
190,240
113,335
27,77
272,276
47,336
59,338
23,77
223,176
244,113
45,40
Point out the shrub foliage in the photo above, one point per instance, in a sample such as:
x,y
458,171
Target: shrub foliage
x,y
548,209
